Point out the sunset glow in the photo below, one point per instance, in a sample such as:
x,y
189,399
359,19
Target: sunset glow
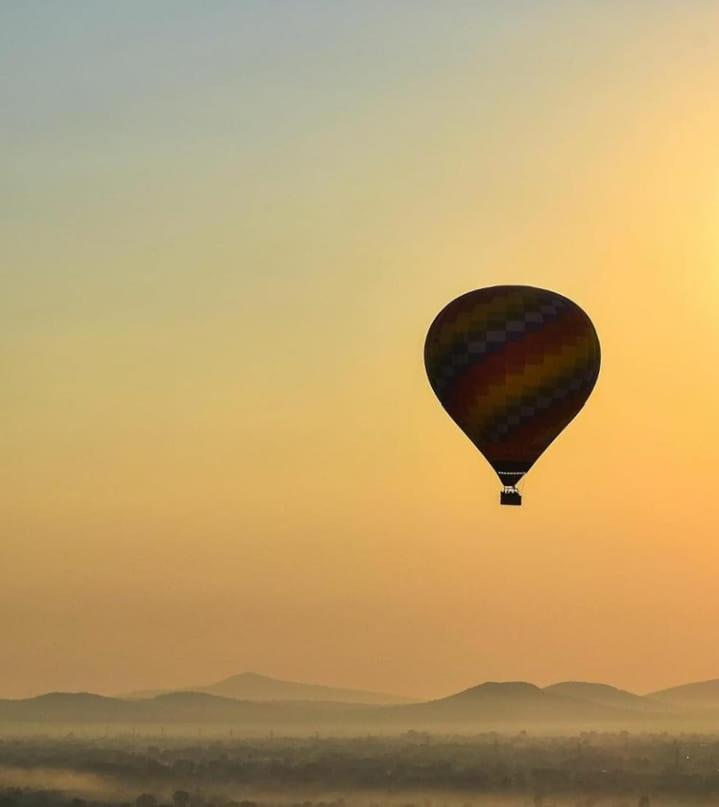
x,y
227,228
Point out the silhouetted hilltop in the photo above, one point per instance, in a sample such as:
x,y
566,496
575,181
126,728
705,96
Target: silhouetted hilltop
x,y
513,702
255,687
605,695
64,706
699,695
174,707
499,689
491,705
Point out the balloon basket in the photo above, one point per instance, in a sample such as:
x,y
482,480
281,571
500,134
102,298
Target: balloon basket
x,y
510,496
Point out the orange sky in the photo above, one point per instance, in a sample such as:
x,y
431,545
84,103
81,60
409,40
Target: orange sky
x,y
226,233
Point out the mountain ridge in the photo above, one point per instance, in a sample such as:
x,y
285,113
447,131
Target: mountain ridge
x,y
491,705
605,694
697,694
258,687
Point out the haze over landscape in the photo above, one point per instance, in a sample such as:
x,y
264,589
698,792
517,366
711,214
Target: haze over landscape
x,y
246,559
249,702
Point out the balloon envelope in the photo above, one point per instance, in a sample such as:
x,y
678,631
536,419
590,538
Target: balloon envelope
x,y
512,365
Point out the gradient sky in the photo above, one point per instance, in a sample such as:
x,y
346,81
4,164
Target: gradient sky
x,y
226,227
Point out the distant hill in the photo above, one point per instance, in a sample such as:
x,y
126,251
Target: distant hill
x,y
485,705
700,695
489,706
255,687
606,695
514,702
68,707
175,707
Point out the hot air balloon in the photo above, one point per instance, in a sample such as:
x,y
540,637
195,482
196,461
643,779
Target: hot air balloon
x,y
512,366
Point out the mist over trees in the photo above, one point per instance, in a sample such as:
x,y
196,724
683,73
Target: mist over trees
x,y
415,769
